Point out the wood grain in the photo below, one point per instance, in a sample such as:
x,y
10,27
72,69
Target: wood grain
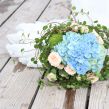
x,y
28,12
3,60
49,98
17,88
18,84
81,98
7,8
99,97
58,9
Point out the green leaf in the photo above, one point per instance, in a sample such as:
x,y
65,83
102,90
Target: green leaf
x,y
35,62
96,21
84,23
69,23
36,46
37,40
73,8
45,27
53,70
32,59
104,27
55,39
22,49
82,11
76,13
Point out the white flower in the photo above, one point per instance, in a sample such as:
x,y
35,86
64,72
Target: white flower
x,y
51,77
75,28
54,59
61,66
100,40
84,29
92,77
69,70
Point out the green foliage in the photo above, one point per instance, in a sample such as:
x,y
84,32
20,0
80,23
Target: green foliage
x,y
55,39
105,70
73,83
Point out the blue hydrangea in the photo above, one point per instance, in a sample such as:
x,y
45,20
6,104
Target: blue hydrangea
x,y
81,52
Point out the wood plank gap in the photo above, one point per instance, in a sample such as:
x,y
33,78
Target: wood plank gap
x,y
36,92
88,97
12,13
43,10
5,64
37,89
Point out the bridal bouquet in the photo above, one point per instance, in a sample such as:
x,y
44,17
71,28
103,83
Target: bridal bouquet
x,y
73,53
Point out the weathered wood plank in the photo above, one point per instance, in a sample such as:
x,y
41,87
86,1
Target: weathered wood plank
x,y
99,96
52,97
3,60
58,9
7,7
28,12
17,86
49,98
81,98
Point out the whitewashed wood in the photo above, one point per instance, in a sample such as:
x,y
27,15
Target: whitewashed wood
x,y
81,98
3,59
7,7
99,97
17,86
54,98
58,9
51,97
28,12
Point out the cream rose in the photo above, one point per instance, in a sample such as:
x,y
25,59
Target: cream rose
x,y
84,29
92,77
69,70
54,59
51,77
75,28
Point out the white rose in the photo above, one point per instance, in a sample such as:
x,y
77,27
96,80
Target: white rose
x,y
84,29
51,77
54,59
75,28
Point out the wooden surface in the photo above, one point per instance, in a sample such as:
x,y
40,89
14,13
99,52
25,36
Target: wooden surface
x,y
18,84
7,8
99,96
